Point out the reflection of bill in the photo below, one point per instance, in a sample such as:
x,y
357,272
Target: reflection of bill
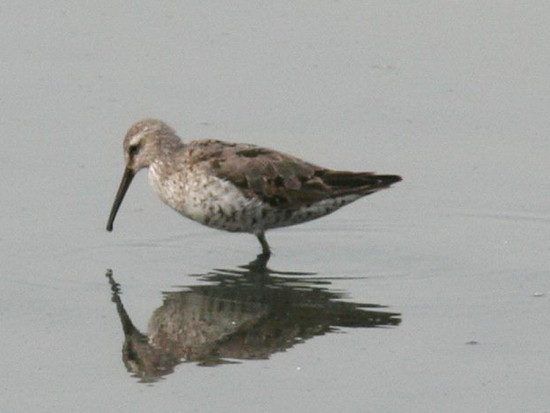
x,y
245,315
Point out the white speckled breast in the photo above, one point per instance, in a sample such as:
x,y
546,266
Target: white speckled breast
x,y
206,199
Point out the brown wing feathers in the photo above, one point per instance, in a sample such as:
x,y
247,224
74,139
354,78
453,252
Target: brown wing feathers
x,y
284,180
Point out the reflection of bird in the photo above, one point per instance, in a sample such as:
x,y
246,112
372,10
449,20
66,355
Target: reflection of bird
x,y
237,187
245,315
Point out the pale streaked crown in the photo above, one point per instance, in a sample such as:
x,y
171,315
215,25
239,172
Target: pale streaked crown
x,y
147,140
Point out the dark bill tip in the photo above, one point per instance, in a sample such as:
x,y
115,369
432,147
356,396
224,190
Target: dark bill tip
x,y
124,184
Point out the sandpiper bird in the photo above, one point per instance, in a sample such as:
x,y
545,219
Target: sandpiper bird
x,y
237,187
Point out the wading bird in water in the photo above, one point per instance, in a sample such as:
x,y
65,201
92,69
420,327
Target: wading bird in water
x,y
237,187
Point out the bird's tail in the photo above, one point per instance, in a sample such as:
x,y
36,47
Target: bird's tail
x,y
344,182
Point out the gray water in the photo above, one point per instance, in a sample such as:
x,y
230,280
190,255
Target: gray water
x,y
430,296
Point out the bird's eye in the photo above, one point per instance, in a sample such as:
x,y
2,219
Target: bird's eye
x,y
134,150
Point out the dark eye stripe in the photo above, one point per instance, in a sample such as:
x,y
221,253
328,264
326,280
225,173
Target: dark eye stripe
x,y
134,150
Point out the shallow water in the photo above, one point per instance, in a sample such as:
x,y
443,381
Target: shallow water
x,y
430,296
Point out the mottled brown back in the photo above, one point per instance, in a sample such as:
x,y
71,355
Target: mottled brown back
x,y
280,179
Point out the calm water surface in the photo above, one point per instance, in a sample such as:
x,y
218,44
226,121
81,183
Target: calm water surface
x,y
430,296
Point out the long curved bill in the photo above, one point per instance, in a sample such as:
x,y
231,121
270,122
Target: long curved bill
x,y
124,184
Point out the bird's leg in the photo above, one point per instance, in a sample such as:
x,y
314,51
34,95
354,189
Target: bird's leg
x,y
266,252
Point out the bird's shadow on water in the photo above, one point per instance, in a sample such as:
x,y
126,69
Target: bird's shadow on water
x,y
247,313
